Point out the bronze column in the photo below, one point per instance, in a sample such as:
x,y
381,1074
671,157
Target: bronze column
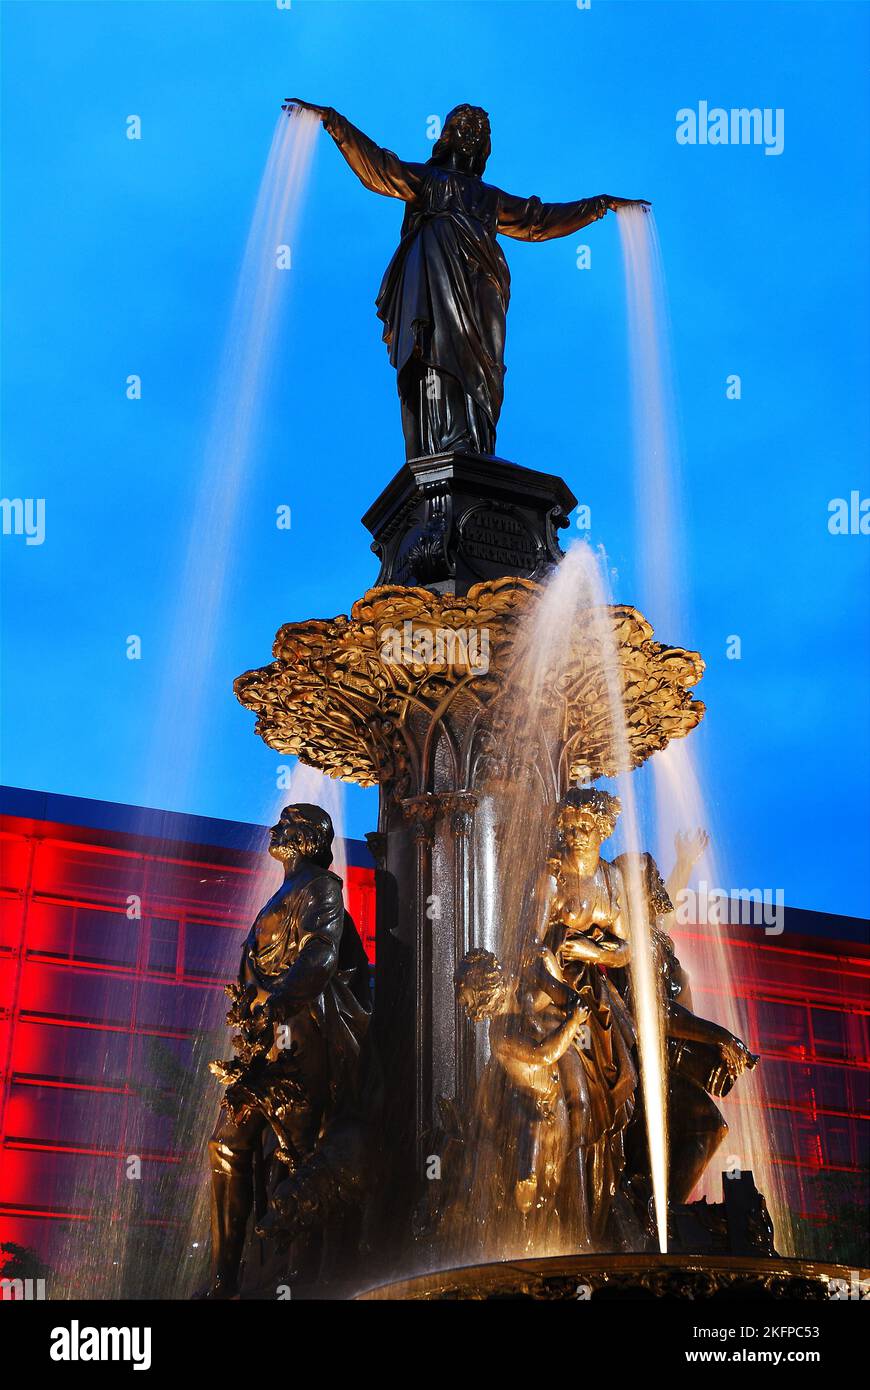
x,y
462,806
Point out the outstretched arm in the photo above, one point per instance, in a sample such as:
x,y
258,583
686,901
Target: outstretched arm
x,y
379,169
680,1023
528,219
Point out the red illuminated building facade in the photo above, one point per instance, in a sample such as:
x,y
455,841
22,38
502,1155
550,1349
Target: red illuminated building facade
x,y
119,927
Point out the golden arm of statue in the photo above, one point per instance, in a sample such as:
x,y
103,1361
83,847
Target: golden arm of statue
x,y
596,948
690,1028
545,1052
378,169
544,974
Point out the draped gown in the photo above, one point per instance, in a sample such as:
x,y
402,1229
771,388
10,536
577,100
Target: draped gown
x,y
446,291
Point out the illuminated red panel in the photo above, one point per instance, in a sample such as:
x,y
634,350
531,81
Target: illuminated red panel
x,y
82,996
14,861
55,1050
11,918
84,933
87,873
8,976
60,1182
361,904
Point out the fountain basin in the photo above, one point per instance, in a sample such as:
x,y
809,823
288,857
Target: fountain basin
x,y
348,695
571,1278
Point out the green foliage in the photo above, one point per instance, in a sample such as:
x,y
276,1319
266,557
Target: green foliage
x,y
20,1262
840,1236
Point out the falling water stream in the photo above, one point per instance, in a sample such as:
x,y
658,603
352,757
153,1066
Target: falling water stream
x,y
244,372
129,1250
649,1017
681,802
517,799
519,786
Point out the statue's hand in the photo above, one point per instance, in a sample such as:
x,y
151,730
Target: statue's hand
x,y
577,1010
614,204
572,949
584,948
737,1057
690,847
294,105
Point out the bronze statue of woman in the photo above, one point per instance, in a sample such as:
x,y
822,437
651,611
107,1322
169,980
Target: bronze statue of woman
x,y
586,929
445,294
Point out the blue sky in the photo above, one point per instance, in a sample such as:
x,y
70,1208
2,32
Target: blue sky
x,y
121,257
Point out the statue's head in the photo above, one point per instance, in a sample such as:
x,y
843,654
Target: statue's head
x,y
302,832
665,962
586,817
482,987
466,132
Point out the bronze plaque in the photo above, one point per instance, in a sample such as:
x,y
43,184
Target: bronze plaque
x,y
496,539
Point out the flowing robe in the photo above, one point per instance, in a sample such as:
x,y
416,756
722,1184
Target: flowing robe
x,y
445,294
304,954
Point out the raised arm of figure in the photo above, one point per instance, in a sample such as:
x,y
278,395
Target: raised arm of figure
x,y
378,169
529,219
544,1052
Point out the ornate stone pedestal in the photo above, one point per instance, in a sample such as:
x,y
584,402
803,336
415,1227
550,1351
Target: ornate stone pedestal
x,y
452,520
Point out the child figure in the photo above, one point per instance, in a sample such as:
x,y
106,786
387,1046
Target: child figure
x,y
523,1107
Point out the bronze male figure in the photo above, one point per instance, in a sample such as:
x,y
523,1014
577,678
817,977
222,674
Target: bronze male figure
x,y
302,1007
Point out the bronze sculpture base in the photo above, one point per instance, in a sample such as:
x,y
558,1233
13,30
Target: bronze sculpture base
x,y
608,1277
450,520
